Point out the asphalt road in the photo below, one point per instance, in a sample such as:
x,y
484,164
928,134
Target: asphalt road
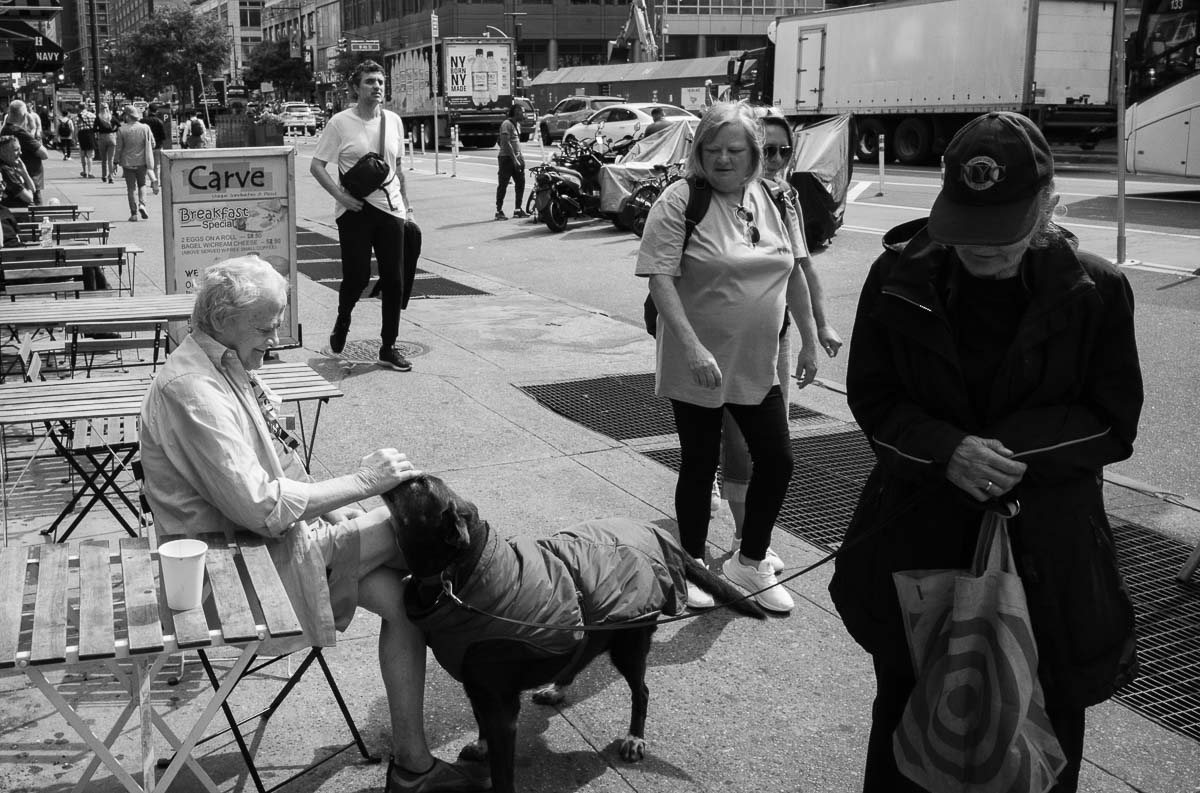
x,y
591,263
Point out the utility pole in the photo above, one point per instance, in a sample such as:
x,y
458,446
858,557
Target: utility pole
x,y
95,50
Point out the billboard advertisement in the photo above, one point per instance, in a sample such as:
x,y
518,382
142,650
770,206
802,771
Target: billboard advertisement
x,y
478,74
222,203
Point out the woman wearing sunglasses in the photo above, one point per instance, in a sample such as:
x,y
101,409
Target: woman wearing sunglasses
x,y
721,302
735,455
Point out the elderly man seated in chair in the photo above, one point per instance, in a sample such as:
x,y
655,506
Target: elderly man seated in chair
x,y
217,459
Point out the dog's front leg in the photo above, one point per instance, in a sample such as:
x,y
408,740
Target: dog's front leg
x,y
629,652
497,711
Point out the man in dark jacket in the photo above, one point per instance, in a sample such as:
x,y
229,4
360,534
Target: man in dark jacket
x,y
992,361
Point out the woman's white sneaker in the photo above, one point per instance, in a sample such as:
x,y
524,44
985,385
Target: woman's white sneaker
x,y
697,598
776,563
753,578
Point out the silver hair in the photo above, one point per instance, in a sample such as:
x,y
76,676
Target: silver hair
x,y
232,286
719,116
1049,234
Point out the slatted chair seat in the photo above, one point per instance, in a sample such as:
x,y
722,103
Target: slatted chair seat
x,y
93,258
94,231
38,271
54,211
99,452
85,341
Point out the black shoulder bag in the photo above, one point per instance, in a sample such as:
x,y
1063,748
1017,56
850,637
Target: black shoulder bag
x,y
371,172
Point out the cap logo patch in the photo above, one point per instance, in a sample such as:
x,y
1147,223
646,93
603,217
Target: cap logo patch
x,y
982,173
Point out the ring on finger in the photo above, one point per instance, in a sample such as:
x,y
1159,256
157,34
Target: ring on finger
x,y
988,487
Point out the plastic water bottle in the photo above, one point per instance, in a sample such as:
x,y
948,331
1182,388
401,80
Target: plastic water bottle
x,y
479,81
46,233
493,77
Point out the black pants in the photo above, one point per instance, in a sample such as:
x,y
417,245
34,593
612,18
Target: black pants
x,y
359,233
895,681
509,170
765,428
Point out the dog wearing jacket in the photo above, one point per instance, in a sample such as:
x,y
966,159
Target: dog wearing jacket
x,y
600,572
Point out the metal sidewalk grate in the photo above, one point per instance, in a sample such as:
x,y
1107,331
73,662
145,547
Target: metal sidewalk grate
x,y
830,471
623,406
1168,618
436,286
828,476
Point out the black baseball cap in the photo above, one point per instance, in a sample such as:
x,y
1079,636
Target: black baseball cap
x,y
993,172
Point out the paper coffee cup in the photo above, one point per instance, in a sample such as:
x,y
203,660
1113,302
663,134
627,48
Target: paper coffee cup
x,y
182,564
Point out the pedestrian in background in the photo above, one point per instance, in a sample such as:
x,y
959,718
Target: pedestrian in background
x,y
193,132
658,122
135,154
992,361
372,223
85,131
106,142
511,162
32,151
47,130
721,302
735,455
158,131
66,134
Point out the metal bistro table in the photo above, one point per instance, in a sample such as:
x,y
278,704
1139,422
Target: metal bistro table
x,y
102,409
124,625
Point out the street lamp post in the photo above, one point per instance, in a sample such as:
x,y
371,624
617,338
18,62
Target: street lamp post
x,y
92,30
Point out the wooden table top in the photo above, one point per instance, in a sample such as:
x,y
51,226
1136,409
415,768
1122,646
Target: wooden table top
x,y
115,587
54,313
84,398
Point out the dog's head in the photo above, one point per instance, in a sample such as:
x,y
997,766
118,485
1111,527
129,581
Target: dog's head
x,y
433,524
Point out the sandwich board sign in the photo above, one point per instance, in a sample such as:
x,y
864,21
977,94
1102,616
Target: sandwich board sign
x,y
222,203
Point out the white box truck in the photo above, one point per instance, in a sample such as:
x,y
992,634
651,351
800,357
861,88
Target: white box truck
x,y
915,71
474,88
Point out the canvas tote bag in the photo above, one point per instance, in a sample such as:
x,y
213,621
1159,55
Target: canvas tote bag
x,y
976,721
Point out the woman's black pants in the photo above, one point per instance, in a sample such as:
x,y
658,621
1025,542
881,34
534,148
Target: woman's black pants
x,y
765,428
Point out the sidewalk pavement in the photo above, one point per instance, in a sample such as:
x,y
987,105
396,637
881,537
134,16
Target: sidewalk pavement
x,y
735,705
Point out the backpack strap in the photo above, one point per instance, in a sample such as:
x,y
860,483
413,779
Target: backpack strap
x,y
699,198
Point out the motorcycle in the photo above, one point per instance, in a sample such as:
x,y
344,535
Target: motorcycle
x,y
568,186
636,206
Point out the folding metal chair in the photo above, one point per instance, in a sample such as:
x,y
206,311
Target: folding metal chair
x,y
84,341
313,654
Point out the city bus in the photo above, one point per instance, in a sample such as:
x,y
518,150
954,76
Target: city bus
x,y
1163,93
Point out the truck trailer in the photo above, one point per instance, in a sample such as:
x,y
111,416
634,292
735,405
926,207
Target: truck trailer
x,y
473,91
915,71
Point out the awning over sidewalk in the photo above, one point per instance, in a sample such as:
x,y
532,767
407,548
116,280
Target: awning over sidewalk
x,y
35,10
23,48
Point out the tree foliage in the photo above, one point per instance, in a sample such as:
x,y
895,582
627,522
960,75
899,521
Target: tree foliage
x,y
270,62
164,51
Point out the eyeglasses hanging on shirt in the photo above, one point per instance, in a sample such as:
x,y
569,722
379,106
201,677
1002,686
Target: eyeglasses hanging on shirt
x,y
270,414
748,228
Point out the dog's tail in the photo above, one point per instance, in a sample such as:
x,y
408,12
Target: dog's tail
x,y
722,591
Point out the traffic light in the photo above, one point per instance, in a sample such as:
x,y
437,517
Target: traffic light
x,y
218,85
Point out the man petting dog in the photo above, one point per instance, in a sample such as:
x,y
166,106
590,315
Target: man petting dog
x,y
217,459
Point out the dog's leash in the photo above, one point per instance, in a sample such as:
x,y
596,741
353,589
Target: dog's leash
x,y
641,622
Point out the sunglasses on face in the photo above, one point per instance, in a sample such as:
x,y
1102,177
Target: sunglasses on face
x,y
751,230
771,150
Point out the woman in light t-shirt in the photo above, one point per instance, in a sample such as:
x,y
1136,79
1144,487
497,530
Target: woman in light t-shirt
x,y
374,223
721,302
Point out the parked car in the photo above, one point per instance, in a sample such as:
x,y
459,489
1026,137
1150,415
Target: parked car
x,y
628,120
298,115
319,115
570,111
529,123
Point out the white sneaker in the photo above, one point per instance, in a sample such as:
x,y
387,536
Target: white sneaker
x,y
752,579
697,598
776,563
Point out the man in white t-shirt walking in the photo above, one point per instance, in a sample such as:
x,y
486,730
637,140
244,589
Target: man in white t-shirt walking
x,y
372,223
